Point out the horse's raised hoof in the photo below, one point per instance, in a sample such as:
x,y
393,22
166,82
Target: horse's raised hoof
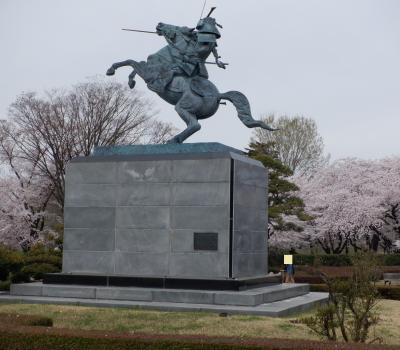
x,y
110,71
131,83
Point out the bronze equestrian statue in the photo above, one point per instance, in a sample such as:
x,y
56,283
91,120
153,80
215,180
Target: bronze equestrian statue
x,y
177,73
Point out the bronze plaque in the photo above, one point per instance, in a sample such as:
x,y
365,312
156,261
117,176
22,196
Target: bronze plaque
x,y
205,241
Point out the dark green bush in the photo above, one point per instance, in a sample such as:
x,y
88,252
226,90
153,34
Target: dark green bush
x,y
37,270
19,277
391,260
322,287
43,253
335,260
310,260
25,320
17,267
48,258
276,259
304,259
41,322
386,292
389,292
40,260
5,285
10,261
34,339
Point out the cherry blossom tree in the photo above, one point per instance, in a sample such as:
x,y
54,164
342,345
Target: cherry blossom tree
x,y
387,232
24,197
355,203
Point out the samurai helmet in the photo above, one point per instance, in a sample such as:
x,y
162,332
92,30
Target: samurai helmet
x,y
208,25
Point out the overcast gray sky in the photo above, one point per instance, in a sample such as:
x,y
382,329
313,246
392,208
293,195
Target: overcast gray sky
x,y
337,61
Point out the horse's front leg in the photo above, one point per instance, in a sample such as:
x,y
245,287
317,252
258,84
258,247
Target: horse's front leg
x,y
131,81
114,66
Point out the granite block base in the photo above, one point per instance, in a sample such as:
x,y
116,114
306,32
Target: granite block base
x,y
276,301
190,211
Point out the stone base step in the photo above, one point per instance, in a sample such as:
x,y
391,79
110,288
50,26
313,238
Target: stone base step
x,y
251,297
274,309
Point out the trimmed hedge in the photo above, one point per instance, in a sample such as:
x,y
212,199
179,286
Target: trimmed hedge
x,y
386,292
62,339
320,287
389,292
276,259
25,320
391,260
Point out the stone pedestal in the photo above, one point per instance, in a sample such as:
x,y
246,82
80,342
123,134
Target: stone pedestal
x,y
190,211
169,227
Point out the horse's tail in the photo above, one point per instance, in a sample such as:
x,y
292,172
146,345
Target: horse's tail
x,y
242,106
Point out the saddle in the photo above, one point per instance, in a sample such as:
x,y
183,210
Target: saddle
x,y
201,87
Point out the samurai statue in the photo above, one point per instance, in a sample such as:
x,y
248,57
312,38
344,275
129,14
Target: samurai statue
x,y
178,74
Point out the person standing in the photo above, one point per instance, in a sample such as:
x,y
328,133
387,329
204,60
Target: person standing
x,y
289,273
289,269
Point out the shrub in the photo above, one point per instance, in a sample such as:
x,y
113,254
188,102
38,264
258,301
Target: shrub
x,y
352,303
37,270
304,259
275,257
385,292
324,260
25,320
48,258
391,260
19,277
17,267
389,292
62,339
335,260
40,260
308,279
5,285
10,261
40,322
310,259
320,287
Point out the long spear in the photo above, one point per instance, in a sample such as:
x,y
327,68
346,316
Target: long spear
x,y
139,31
149,32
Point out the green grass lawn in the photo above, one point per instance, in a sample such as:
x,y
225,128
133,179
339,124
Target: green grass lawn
x,y
134,320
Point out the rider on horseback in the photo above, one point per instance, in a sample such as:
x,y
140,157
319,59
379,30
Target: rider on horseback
x,y
177,73
185,54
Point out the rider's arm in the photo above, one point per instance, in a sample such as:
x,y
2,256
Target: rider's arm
x,y
219,63
215,53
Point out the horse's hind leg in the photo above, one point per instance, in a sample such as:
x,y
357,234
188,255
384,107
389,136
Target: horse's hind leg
x,y
191,122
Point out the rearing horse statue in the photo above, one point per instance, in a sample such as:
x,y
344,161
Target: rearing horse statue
x,y
177,73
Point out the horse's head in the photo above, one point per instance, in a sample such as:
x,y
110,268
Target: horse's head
x,y
160,28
